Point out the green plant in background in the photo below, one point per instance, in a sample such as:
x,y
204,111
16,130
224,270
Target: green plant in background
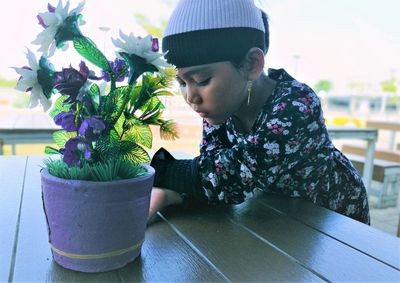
x,y
389,85
105,129
7,83
323,85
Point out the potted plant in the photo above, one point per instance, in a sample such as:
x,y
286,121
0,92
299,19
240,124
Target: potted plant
x,y
96,194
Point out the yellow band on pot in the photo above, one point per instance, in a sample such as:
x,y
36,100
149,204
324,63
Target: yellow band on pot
x,y
97,256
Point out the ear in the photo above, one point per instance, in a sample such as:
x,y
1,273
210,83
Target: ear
x,y
254,63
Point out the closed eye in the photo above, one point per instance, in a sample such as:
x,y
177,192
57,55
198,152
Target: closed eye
x,y
204,83
180,82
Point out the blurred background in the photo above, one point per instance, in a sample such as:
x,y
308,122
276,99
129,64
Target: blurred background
x,y
347,51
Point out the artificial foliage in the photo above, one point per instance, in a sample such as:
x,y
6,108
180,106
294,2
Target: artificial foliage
x,y
104,107
115,169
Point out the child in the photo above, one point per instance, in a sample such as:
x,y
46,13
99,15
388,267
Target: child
x,y
260,131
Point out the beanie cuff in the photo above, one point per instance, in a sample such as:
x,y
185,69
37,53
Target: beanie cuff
x,y
209,46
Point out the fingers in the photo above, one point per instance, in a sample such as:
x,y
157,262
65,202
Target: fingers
x,y
161,198
157,201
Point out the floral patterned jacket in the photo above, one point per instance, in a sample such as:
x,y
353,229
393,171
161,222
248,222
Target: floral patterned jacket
x,y
287,152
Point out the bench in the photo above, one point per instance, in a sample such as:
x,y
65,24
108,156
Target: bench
x,y
386,171
370,136
25,136
25,126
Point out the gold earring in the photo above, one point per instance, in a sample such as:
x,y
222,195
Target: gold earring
x,y
249,87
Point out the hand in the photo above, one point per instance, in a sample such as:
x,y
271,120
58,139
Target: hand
x,y
161,198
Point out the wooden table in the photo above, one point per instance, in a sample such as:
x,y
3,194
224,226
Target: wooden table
x,y
25,127
267,238
392,127
368,134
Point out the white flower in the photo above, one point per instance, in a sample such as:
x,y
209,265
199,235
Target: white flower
x,y
52,21
29,82
141,47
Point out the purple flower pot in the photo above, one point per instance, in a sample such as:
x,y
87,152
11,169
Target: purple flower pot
x,y
96,226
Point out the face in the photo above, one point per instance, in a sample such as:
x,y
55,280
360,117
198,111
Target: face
x,y
216,91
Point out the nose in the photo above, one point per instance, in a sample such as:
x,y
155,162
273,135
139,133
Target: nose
x,y
192,95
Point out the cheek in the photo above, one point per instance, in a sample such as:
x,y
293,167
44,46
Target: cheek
x,y
184,96
229,96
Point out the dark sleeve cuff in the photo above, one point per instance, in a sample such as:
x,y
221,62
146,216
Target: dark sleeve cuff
x,y
180,175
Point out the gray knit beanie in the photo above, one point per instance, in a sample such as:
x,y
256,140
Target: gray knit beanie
x,y
207,31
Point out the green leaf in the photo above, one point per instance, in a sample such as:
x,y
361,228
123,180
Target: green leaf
x,y
51,150
61,137
168,130
151,105
94,92
85,47
136,154
116,102
144,96
119,125
139,133
59,106
164,92
135,94
108,146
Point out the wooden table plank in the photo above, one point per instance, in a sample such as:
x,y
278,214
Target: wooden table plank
x,y
33,257
377,244
166,257
269,239
324,255
238,254
164,254
12,170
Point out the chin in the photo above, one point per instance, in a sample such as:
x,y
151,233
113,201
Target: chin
x,y
212,121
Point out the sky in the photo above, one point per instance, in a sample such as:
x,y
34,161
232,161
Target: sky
x,y
339,40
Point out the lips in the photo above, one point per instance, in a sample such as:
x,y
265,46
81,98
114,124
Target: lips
x,y
202,114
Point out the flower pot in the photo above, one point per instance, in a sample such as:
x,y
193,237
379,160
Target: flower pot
x,y
96,226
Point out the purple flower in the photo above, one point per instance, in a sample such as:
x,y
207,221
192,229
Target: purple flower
x,y
74,149
119,68
66,120
91,128
154,44
69,81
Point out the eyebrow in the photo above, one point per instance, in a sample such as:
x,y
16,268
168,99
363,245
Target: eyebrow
x,y
195,70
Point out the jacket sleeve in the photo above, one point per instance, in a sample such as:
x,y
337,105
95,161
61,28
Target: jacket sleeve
x,y
180,175
265,158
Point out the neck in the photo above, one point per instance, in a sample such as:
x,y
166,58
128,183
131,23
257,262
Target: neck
x,y
247,114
